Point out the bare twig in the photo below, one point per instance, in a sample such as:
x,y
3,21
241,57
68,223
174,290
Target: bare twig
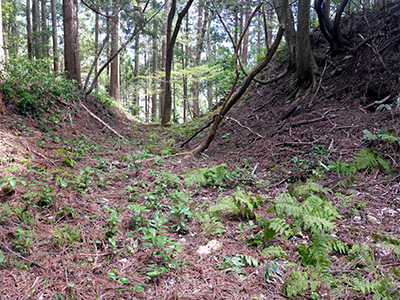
x,y
248,128
378,102
20,256
104,123
319,84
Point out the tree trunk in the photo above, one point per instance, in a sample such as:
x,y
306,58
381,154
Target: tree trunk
x,y
209,54
163,63
54,34
71,41
136,72
232,99
290,31
2,108
44,30
247,12
29,29
171,39
305,61
115,92
201,30
36,43
96,44
154,73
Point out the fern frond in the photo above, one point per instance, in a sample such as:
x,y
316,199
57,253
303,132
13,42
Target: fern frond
x,y
338,246
286,205
393,248
309,189
212,176
368,160
274,252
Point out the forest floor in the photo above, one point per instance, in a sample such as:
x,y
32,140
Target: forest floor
x,y
86,214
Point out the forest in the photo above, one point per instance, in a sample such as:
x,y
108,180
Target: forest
x,y
199,149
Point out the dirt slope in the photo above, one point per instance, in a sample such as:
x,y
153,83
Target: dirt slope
x,y
87,215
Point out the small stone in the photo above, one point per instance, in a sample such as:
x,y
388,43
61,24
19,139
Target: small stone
x,y
371,219
357,218
212,246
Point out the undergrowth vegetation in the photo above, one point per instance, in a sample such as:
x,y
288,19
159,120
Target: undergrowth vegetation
x,y
130,215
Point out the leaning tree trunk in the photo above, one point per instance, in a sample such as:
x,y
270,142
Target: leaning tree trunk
x,y
233,98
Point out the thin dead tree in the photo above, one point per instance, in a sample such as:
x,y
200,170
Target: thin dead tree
x,y
232,97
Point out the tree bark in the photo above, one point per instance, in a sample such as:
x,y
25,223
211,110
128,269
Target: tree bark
x,y
208,55
96,43
136,72
171,39
55,37
305,61
231,100
115,91
36,29
247,12
201,30
44,30
29,29
154,73
71,41
330,31
163,63
290,31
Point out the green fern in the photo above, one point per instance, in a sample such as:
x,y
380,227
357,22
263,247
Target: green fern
x,y
237,204
207,176
298,283
315,215
276,227
383,134
274,252
286,205
212,224
368,160
384,288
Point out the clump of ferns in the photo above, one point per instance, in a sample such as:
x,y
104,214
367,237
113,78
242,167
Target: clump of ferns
x,y
302,210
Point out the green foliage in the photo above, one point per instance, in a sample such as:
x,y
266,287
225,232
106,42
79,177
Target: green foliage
x,y
314,215
34,87
212,224
24,240
238,204
237,262
214,176
298,283
274,252
381,288
272,271
180,213
368,160
67,235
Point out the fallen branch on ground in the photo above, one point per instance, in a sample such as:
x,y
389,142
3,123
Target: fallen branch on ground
x,y
104,123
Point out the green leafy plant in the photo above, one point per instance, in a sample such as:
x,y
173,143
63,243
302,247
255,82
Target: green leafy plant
x,y
180,212
67,235
214,176
24,240
33,87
